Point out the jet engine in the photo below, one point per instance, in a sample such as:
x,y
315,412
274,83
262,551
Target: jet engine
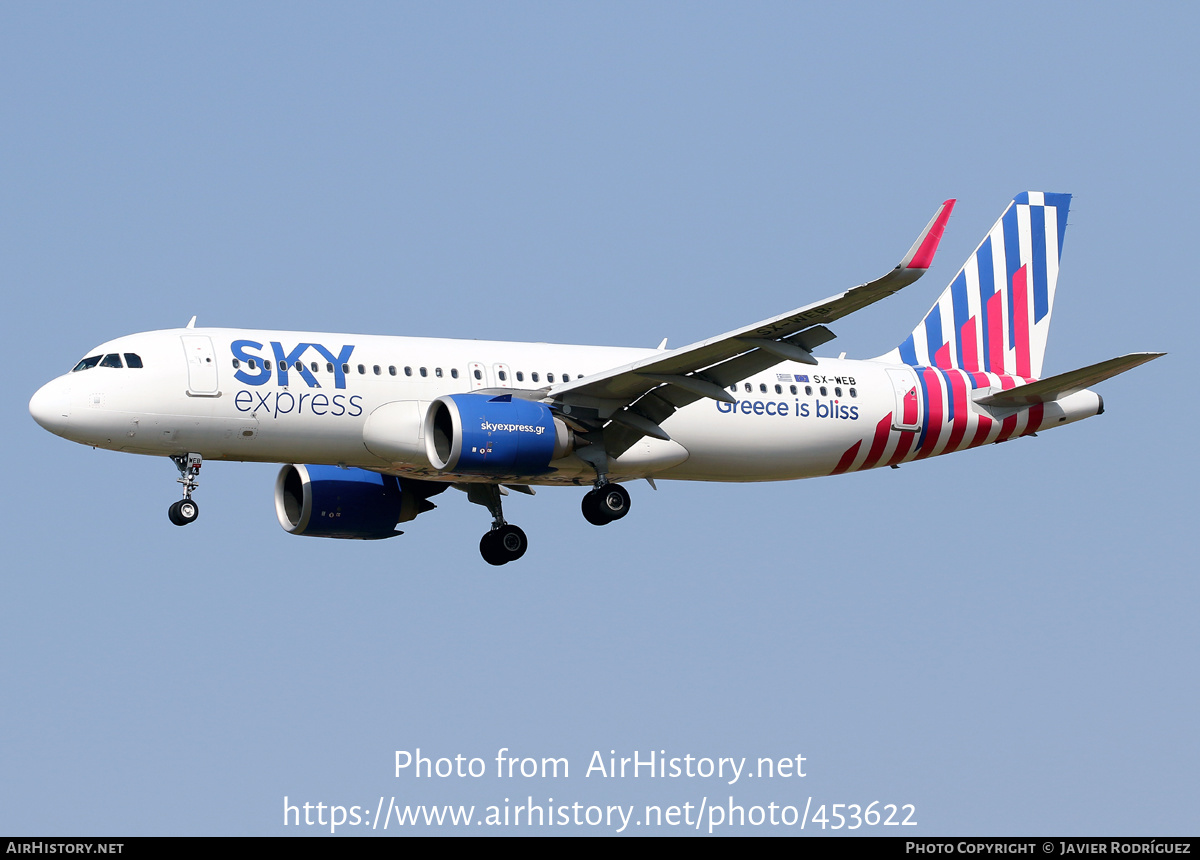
x,y
332,502
475,434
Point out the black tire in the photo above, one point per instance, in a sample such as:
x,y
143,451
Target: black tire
x,y
512,542
183,512
491,550
591,509
613,501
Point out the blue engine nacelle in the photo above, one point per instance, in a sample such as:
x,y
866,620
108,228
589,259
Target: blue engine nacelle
x,y
332,502
476,434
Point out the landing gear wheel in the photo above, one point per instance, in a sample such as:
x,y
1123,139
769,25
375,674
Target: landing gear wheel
x,y
591,510
183,512
512,542
490,550
614,501
502,545
602,506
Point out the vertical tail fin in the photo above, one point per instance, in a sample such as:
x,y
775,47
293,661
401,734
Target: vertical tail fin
x,y
995,315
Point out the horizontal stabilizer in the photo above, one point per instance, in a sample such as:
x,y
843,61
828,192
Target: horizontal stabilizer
x,y
1058,387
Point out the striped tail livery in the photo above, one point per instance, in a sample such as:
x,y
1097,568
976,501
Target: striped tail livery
x,y
969,373
995,315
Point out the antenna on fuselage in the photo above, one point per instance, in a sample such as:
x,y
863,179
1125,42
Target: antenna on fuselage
x,y
191,322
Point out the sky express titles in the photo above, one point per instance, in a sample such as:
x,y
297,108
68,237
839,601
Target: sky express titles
x,y
286,362
284,402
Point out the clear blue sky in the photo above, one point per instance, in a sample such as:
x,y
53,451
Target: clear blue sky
x,y
1004,638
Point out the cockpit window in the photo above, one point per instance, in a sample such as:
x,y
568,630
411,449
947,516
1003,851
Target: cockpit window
x,y
87,364
132,359
111,360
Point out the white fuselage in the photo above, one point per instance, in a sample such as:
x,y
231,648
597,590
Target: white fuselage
x,y
221,393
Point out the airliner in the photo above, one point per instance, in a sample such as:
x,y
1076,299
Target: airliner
x,y
370,428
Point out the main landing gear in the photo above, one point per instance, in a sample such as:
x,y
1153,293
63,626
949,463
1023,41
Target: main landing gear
x,y
185,510
505,542
607,502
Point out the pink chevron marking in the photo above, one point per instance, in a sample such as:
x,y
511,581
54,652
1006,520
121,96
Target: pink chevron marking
x,y
995,333
1020,318
882,431
970,345
1007,427
907,437
933,420
942,357
982,431
911,407
958,389
847,458
1037,414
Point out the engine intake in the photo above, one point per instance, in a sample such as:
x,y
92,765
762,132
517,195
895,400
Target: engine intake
x,y
328,501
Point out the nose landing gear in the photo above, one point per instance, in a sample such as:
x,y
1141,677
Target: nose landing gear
x,y
185,510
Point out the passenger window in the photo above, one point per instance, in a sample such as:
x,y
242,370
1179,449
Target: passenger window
x,y
132,359
345,368
520,376
503,376
408,371
853,392
793,389
392,369
329,367
299,364
534,376
362,370
779,389
454,372
824,391
314,366
236,364
282,364
112,360
478,374
549,377
566,377
749,387
808,390
424,372
378,370
437,371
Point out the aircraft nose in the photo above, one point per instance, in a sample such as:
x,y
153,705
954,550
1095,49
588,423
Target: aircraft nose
x,y
50,406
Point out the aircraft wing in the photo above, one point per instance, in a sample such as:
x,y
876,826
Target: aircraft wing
x,y
639,396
